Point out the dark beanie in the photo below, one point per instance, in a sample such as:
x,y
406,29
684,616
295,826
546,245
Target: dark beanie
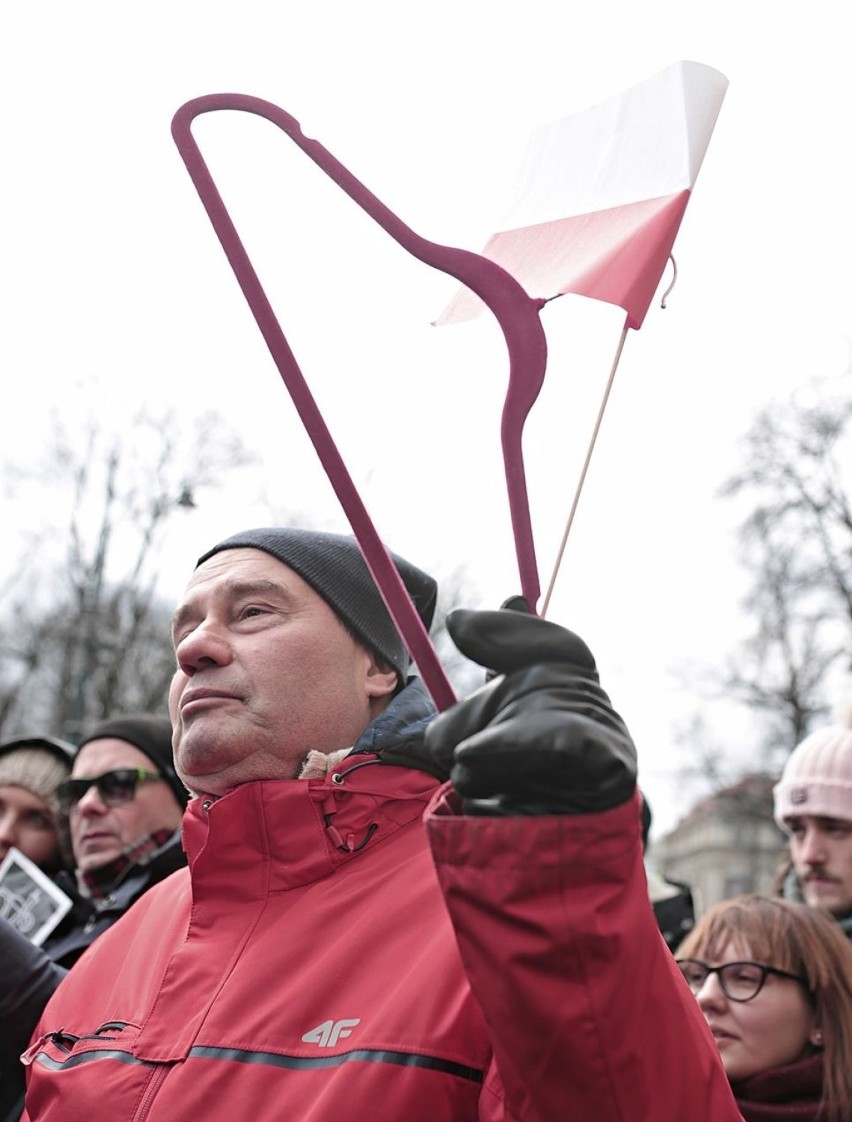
x,y
152,736
332,564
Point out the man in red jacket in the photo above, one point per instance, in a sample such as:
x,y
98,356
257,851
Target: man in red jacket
x,y
326,956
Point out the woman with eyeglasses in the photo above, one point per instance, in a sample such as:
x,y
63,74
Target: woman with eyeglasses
x,y
774,981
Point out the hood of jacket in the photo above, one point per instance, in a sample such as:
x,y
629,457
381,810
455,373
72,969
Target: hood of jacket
x,y
396,736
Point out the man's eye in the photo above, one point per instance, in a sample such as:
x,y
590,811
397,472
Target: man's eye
x,y
251,611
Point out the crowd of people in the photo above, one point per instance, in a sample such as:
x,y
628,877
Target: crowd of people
x,y
306,894
108,815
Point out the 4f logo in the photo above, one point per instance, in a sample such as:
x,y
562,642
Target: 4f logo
x,y
328,1033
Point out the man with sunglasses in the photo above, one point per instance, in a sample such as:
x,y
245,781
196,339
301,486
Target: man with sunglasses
x,y
122,807
123,803
325,956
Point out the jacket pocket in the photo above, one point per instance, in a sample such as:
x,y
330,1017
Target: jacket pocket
x,y
63,1047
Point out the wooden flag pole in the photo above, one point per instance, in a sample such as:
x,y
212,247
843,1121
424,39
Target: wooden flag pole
x,y
585,469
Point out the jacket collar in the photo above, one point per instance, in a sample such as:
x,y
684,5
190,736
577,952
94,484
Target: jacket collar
x,y
286,832
273,835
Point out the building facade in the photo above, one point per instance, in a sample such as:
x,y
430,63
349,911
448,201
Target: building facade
x,y
727,844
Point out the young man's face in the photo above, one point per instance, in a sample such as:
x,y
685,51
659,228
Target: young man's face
x,y
821,850
266,672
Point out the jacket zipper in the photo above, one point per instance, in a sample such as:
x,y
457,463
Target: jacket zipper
x,y
151,1092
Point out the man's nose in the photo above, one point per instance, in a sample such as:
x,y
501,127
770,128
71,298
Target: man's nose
x,y
91,802
206,645
812,848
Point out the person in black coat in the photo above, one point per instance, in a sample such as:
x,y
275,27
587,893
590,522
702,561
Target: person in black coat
x,y
672,900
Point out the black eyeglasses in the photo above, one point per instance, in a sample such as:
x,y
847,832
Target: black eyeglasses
x,y
114,787
740,981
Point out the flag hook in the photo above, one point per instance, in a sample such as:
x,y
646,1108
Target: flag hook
x,y
671,283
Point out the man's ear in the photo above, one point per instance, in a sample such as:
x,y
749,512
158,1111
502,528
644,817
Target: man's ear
x,y
382,679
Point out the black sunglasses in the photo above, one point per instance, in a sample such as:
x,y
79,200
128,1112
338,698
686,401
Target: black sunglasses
x,y
740,981
114,787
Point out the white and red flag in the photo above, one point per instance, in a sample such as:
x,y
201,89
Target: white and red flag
x,y
599,200
601,194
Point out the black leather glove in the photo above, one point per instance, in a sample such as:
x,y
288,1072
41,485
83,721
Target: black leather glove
x,y
541,738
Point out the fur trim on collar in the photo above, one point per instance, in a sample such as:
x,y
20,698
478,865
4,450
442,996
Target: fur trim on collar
x,y
318,764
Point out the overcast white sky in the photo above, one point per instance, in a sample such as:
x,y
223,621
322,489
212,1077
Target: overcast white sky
x,y
111,274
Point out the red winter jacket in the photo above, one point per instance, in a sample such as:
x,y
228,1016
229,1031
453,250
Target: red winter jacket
x,y
287,977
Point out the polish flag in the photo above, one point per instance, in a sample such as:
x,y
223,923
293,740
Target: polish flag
x,y
601,195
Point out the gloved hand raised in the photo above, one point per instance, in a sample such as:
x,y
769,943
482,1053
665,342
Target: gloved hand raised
x,y
541,737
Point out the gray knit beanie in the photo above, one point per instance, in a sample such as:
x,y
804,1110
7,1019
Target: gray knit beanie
x,y
36,763
332,564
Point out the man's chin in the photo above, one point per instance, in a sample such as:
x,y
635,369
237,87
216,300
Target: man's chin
x,y
829,897
96,860
840,907
199,784
199,780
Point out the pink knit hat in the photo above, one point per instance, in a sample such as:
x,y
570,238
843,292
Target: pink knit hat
x,y
817,778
